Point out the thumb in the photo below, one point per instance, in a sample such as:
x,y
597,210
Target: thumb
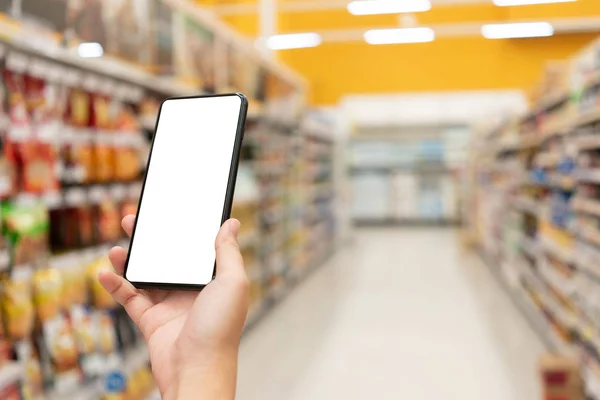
x,y
229,258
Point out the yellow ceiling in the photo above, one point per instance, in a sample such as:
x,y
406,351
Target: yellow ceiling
x,y
453,63
341,19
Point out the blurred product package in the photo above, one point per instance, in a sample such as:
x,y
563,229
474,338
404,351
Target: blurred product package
x,y
560,378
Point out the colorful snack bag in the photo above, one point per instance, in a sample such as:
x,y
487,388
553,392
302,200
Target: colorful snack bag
x,y
100,297
10,392
109,224
79,162
107,334
26,228
127,163
17,307
103,162
101,117
59,341
78,108
28,357
47,293
39,166
83,329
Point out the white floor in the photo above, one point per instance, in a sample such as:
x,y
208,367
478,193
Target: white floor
x,y
397,314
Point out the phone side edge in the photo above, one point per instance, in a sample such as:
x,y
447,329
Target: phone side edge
x,y
235,162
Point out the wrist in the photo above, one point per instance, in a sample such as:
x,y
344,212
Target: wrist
x,y
212,375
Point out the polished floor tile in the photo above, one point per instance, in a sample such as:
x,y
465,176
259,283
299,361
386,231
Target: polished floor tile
x,y
396,314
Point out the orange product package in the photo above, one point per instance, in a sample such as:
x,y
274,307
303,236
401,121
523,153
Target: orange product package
x,y
17,106
127,163
109,224
8,167
78,108
19,129
101,116
39,163
103,162
34,98
79,163
38,156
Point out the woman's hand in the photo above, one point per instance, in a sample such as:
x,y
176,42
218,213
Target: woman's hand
x,y
193,337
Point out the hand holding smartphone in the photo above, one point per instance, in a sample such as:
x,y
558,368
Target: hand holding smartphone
x,y
187,192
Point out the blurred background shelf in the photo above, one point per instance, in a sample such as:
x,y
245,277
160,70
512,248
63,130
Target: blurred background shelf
x,y
547,252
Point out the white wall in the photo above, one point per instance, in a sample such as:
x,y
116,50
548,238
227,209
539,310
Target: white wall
x,y
432,108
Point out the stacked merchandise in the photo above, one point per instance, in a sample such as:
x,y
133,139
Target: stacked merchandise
x,y
297,200
320,214
537,211
272,170
560,378
73,153
294,174
74,142
74,139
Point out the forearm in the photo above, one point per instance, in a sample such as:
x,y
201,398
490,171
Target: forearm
x,y
214,379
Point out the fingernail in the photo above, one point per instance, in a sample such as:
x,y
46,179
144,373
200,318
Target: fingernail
x,y
234,226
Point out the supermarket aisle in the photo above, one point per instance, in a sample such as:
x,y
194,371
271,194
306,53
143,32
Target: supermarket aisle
x,y
399,314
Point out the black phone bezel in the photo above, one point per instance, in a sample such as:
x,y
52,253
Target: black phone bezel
x,y
233,169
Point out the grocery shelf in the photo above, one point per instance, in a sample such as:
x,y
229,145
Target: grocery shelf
x,y
587,206
523,303
406,222
82,200
355,170
540,234
589,235
588,175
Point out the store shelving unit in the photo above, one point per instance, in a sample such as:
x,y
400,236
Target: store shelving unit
x,y
535,196
404,176
296,224
276,190
321,192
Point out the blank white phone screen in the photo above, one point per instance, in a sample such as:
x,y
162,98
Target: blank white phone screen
x,y
184,192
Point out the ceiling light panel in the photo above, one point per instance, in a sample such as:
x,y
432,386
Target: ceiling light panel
x,y
517,30
294,41
507,3
400,35
375,7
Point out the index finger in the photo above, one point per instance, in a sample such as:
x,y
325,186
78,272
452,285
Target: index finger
x,y
229,259
127,223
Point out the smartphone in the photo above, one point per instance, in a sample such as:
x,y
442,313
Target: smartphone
x,y
187,192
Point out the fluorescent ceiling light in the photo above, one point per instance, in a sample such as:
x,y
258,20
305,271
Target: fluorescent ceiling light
x,y
505,3
294,41
399,35
372,7
517,30
90,50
